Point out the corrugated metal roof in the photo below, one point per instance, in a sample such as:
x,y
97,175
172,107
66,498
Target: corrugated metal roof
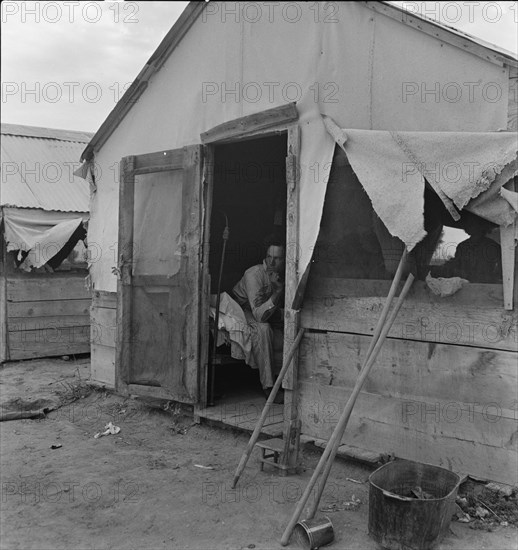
x,y
50,133
38,167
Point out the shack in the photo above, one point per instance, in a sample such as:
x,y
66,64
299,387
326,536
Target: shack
x,y
230,123
44,303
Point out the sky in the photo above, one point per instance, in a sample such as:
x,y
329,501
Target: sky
x,y
75,61
65,64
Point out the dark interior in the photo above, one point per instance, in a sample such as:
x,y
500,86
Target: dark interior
x,y
353,243
250,192
250,189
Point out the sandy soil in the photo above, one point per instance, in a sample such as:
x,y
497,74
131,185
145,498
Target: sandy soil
x,y
143,488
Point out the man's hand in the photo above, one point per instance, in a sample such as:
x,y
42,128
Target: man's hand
x,y
277,286
275,280
273,290
262,296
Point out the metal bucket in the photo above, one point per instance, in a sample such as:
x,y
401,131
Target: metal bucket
x,y
314,533
400,522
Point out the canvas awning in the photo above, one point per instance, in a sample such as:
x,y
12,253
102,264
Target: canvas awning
x,y
42,233
467,170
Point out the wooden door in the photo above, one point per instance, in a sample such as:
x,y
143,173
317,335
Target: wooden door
x,y
160,218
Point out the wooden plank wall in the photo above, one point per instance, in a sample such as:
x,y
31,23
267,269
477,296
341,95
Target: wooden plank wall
x,y
4,354
103,327
3,320
512,113
47,315
472,317
444,387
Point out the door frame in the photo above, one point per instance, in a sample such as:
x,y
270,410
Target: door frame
x,y
262,124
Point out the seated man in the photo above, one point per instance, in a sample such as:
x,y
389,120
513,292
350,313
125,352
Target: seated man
x,y
260,293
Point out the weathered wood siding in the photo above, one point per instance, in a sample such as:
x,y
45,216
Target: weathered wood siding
x,y
103,329
472,317
47,315
3,321
3,302
443,389
512,117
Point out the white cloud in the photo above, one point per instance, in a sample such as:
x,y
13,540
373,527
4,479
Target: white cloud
x,y
97,52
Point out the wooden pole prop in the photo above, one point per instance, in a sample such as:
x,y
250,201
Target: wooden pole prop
x,y
375,337
226,234
269,401
342,423
388,303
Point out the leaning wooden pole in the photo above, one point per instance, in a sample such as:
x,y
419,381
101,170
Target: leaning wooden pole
x,y
388,302
375,337
269,401
342,422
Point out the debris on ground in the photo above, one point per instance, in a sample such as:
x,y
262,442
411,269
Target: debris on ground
x,y
70,391
180,430
486,506
354,480
481,512
500,489
157,464
460,515
18,408
109,429
350,505
56,446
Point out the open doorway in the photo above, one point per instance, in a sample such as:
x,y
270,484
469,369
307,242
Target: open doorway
x,y
248,198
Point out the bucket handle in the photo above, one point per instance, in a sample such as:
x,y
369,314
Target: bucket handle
x,y
397,497
410,499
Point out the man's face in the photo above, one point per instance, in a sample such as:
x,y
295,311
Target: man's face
x,y
275,259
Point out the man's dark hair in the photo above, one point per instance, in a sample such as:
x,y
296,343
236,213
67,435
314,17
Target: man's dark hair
x,y
273,239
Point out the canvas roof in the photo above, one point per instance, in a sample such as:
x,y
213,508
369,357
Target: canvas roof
x,y
37,169
440,31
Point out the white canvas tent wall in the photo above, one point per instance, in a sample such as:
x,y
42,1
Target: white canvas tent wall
x,y
372,67
353,70
42,203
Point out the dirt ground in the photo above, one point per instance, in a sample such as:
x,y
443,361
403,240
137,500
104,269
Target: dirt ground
x,y
161,482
